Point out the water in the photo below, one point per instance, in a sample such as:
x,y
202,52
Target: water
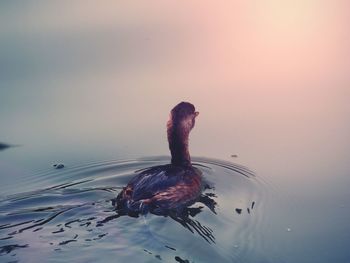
x,y
73,211
245,219
86,82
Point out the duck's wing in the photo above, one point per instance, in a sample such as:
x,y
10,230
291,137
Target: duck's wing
x,y
167,187
155,180
179,194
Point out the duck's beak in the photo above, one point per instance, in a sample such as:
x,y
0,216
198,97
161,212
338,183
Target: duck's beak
x,y
196,114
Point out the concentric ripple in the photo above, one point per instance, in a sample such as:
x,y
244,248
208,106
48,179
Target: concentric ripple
x,y
73,211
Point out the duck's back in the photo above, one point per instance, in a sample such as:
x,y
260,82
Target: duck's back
x,y
164,187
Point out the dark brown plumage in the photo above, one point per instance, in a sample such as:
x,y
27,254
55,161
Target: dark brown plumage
x,y
166,187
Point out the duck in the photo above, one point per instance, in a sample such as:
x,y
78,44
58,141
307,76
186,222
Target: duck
x,y
169,187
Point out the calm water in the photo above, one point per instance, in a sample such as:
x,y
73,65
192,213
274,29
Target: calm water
x,y
90,85
73,211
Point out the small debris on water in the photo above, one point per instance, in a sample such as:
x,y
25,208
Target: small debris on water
x,y
235,246
170,247
178,259
238,210
288,229
158,257
253,204
248,210
234,155
4,146
58,165
149,252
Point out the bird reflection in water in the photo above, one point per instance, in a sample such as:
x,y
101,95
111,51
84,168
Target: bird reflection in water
x,y
185,216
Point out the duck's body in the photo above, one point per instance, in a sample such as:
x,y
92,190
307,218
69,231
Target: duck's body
x,y
160,189
167,187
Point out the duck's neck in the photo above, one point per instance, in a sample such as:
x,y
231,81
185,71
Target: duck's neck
x,y
178,145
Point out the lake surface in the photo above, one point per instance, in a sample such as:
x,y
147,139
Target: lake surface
x,y
90,85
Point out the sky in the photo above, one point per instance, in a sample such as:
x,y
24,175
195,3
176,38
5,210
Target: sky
x,y
107,73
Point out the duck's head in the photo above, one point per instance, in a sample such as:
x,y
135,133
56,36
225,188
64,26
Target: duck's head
x,y
183,116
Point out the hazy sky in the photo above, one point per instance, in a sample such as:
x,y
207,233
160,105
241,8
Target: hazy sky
x,y
268,72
